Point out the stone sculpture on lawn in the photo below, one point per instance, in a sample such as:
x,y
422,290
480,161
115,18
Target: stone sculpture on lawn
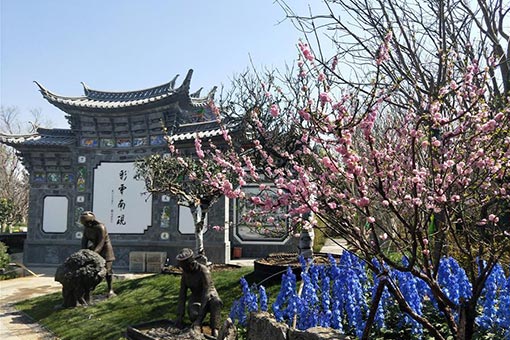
x,y
79,275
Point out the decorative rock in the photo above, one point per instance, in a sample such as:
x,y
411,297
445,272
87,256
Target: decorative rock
x,y
228,331
316,333
263,326
79,275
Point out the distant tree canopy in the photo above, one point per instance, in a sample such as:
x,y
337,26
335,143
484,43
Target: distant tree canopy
x,y
14,182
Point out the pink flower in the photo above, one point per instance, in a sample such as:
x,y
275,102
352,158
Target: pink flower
x,y
304,114
227,186
198,147
256,200
493,218
305,50
324,97
363,202
275,111
383,52
371,219
334,63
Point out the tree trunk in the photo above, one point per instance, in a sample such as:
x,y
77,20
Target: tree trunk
x,y
199,215
199,238
466,321
373,308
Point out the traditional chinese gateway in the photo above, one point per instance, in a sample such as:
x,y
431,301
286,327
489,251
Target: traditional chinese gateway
x,y
91,166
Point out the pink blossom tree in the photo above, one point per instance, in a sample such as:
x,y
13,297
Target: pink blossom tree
x,y
187,179
410,159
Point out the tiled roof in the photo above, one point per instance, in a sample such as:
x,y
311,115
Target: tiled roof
x,y
189,131
46,137
95,99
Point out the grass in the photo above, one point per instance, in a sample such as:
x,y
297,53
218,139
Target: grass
x,y
138,301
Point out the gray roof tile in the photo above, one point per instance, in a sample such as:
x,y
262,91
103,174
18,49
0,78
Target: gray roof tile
x,y
95,99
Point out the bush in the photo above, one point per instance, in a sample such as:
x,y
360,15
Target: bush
x,y
4,256
5,259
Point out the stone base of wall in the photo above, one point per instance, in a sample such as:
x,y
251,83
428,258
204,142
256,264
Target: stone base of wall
x,y
263,326
52,253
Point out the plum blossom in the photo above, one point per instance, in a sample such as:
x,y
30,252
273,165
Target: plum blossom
x,y
363,202
383,52
275,111
198,147
305,50
325,98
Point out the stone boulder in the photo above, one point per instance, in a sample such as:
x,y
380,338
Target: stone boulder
x,y
228,331
262,325
316,333
79,275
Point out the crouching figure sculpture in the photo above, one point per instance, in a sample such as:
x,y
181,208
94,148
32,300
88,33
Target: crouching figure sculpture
x,y
79,275
203,299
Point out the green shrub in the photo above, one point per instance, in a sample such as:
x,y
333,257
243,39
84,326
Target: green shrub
x,y
4,257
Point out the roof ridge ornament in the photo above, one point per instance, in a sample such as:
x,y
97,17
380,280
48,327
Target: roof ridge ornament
x,y
86,89
210,95
186,83
41,88
196,94
172,83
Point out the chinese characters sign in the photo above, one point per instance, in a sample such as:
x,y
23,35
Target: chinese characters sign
x,y
119,201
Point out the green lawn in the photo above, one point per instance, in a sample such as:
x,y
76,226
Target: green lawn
x,y
138,301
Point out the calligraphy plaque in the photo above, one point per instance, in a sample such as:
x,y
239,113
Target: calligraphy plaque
x,y
119,201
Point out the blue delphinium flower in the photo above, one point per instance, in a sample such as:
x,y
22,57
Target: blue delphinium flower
x,y
353,276
408,287
263,299
251,299
325,314
244,305
503,316
453,280
303,262
336,294
287,301
307,309
490,298
237,312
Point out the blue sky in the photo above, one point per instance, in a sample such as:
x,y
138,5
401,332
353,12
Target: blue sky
x,y
133,44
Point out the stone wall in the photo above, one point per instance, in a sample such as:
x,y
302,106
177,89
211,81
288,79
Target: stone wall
x,y
263,326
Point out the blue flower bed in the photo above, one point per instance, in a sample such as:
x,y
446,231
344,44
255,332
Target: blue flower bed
x,y
339,295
